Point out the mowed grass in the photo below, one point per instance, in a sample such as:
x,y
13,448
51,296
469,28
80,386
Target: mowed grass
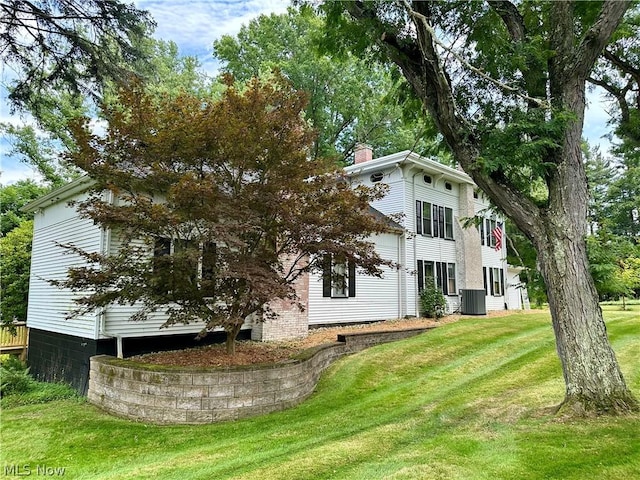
x,y
469,400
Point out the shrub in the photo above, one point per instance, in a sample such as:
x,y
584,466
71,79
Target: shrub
x,y
432,301
14,377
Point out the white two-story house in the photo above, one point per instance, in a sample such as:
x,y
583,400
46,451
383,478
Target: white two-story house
x,y
427,238
434,202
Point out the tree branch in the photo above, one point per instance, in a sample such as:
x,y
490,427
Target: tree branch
x,y
596,38
618,93
511,17
433,37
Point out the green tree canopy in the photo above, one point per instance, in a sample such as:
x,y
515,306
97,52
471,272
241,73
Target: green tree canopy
x,y
505,84
66,45
12,199
15,251
351,99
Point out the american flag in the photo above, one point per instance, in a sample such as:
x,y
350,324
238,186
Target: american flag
x,y
497,233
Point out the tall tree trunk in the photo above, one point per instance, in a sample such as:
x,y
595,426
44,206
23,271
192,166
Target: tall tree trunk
x,y
593,381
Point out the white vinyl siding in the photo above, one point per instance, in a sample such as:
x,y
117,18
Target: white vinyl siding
x,y
117,321
48,305
375,298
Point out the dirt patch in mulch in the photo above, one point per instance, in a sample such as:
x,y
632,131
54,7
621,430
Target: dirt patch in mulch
x,y
254,353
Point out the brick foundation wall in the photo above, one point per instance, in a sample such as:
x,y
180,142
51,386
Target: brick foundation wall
x,y
292,322
168,395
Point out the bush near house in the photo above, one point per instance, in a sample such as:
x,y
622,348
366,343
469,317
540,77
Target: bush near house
x,y
432,301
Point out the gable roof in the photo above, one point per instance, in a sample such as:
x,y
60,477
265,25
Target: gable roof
x,y
59,194
409,157
392,225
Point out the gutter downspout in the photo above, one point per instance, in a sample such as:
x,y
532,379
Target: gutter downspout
x,y
401,259
105,245
415,236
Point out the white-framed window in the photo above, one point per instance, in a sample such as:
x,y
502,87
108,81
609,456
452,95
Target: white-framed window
x,y
498,282
338,278
434,220
423,218
487,234
442,273
451,278
494,285
182,264
448,223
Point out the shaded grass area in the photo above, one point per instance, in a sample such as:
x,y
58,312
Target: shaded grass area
x,y
469,400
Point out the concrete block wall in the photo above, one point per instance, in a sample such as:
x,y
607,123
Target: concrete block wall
x,y
170,396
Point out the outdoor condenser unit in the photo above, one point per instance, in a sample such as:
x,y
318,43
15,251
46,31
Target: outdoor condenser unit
x,y
473,302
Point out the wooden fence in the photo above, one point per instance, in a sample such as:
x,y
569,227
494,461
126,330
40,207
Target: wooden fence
x,y
14,343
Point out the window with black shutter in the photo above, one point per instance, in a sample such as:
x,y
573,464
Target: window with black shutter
x,y
338,278
484,280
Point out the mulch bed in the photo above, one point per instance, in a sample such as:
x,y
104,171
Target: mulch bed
x,y
252,353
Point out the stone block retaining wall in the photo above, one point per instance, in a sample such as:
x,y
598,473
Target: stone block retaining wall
x,y
167,395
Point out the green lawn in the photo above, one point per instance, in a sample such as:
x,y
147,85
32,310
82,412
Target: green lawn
x,y
469,400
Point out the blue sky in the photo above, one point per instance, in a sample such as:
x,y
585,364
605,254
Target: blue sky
x,y
194,25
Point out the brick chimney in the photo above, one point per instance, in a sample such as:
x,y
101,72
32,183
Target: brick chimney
x,y
363,152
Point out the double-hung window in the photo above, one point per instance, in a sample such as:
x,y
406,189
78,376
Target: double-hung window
x,y
434,220
179,264
495,285
338,277
497,282
487,236
443,274
423,218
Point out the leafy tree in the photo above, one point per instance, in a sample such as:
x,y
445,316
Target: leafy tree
x,y
629,277
15,251
505,84
624,200
218,210
600,175
12,199
163,70
350,99
66,45
618,72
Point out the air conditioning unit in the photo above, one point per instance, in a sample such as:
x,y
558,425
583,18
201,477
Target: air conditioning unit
x,y
473,302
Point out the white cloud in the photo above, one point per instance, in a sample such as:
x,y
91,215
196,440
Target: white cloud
x,y
194,25
596,118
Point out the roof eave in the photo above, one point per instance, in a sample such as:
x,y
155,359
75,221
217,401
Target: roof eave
x,y
405,157
70,189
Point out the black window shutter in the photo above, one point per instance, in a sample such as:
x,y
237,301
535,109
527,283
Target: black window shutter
x,y
352,278
445,278
491,281
434,219
501,282
487,232
418,216
326,275
441,221
420,276
482,242
484,279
